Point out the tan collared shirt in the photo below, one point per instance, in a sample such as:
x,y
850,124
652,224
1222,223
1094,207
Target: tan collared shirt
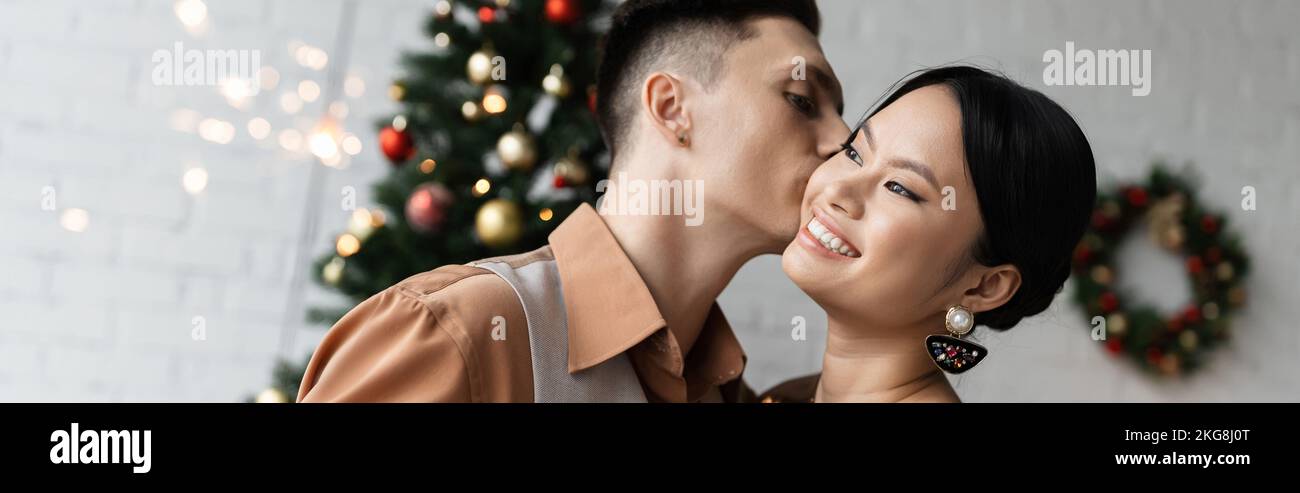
x,y
430,338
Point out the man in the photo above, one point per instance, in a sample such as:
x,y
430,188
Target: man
x,y
733,95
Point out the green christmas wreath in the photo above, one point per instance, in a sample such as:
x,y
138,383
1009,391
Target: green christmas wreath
x,y
1166,344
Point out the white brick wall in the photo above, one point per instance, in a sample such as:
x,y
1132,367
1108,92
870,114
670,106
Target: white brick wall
x,y
105,315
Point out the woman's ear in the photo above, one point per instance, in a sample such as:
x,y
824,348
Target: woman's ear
x,y
996,286
663,98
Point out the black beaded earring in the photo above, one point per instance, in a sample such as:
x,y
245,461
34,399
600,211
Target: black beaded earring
x,y
950,353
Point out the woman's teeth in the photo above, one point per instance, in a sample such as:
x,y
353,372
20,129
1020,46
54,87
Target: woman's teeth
x,y
829,240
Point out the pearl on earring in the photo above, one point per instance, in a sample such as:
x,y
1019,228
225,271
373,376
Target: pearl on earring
x,y
959,320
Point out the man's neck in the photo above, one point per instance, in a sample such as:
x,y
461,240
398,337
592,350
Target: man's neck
x,y
891,367
684,267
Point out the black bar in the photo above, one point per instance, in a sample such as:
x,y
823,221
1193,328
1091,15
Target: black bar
x,y
363,440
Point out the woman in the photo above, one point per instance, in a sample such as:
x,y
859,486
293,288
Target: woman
x,y
955,204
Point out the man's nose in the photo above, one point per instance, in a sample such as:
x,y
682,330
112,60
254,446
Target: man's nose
x,y
831,137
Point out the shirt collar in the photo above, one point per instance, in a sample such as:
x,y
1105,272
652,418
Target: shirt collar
x,y
610,309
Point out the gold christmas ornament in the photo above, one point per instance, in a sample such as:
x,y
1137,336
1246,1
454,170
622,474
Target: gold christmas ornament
x,y
1164,220
1093,241
517,149
1171,236
1110,209
1188,340
347,245
1210,310
442,9
396,92
1102,274
1224,271
272,396
481,187
1237,296
471,111
555,83
479,66
333,271
499,223
494,99
362,224
572,170
1170,364
1116,324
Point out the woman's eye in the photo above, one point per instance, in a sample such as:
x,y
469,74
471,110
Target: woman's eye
x,y
851,153
802,103
893,186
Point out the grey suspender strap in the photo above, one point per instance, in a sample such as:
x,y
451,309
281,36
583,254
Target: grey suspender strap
x,y
538,286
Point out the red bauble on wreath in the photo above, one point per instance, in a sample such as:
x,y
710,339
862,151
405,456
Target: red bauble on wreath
x,y
398,146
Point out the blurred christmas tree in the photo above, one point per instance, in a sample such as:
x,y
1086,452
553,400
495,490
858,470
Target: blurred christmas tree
x,y
490,151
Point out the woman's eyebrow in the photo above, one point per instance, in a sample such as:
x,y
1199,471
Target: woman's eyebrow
x,y
916,167
902,163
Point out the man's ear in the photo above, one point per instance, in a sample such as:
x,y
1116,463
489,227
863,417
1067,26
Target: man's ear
x,y
663,98
996,286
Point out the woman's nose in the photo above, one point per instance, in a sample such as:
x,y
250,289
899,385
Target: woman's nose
x,y
843,196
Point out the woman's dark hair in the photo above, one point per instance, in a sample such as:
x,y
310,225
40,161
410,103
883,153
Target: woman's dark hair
x,y
1035,181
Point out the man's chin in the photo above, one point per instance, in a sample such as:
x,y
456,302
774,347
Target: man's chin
x,y
782,240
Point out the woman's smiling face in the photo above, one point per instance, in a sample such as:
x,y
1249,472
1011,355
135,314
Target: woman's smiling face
x,y
888,223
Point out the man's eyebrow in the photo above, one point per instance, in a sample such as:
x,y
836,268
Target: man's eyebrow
x,y
830,84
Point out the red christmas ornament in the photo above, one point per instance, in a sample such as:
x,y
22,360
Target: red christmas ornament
x,y
1213,255
1192,314
1209,224
1114,345
559,182
1154,355
1195,265
486,14
426,208
1137,197
1082,253
1175,325
1100,221
591,99
397,145
1108,302
562,11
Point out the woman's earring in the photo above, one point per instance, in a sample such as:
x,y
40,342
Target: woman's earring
x,y
681,140
952,354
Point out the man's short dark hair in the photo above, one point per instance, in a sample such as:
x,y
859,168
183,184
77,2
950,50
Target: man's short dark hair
x,y
686,35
